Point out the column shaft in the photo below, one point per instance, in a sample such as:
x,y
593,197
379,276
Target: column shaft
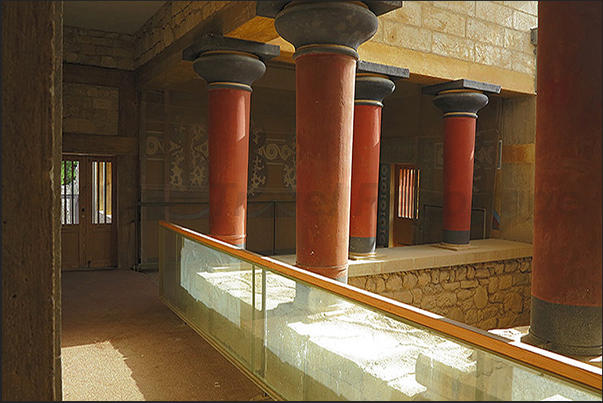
x,y
228,140
459,100
324,108
229,66
365,178
566,277
459,145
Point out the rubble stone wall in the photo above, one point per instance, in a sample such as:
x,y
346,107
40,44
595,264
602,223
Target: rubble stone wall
x,y
486,295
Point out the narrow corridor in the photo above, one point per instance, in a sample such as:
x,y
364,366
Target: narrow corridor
x,y
120,342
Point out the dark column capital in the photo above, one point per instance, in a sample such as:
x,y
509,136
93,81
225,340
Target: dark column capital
x,y
229,62
461,97
376,81
326,26
270,9
372,88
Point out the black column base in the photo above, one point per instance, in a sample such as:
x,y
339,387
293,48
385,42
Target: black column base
x,y
565,329
363,246
456,237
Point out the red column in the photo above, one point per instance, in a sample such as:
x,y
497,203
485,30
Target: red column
x,y
371,88
325,115
365,179
459,146
326,35
566,266
229,66
459,100
228,139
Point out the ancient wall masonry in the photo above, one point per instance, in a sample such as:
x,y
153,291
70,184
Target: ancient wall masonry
x,y
484,295
90,109
171,22
484,32
98,48
493,33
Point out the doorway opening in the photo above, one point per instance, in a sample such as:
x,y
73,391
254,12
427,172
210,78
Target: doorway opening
x,y
406,203
88,230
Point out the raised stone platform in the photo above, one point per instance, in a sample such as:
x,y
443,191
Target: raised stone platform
x,y
415,257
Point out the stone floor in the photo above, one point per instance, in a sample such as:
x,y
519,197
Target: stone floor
x,y
121,342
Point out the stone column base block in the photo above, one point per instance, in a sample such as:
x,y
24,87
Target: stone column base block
x,y
450,246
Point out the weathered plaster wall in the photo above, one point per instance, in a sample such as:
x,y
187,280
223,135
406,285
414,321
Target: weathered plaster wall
x,y
486,295
514,199
31,237
174,163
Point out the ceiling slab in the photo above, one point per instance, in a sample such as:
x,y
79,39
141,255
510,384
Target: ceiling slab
x,y
124,17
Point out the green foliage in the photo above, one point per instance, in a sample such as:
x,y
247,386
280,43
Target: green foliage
x,y
68,171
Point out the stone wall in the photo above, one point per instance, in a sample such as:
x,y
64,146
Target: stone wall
x,y
484,295
171,22
443,39
31,204
90,109
98,48
514,198
495,33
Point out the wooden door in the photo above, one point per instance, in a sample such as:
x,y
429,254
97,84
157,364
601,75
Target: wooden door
x,y
406,196
88,235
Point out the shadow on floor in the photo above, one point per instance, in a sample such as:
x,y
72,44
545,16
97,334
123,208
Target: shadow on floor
x,y
120,342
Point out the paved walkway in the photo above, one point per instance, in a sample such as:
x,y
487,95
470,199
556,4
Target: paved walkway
x,y
120,342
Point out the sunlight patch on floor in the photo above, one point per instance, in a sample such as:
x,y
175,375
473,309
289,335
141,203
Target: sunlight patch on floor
x,y
85,379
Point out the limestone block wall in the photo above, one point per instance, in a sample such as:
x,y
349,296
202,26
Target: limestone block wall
x,y
98,48
495,33
90,109
443,39
171,22
485,295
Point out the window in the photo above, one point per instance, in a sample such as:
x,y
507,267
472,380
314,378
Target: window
x,y
101,192
70,192
408,184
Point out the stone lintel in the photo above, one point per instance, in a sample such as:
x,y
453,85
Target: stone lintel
x,y
211,42
270,9
392,72
462,84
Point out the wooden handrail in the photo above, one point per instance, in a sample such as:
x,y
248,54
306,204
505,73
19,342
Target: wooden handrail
x,y
543,360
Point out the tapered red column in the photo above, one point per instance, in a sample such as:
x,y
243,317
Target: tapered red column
x,y
229,66
373,84
459,100
325,82
228,141
326,36
566,266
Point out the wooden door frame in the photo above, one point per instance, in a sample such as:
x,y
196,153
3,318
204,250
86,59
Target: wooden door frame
x,y
85,224
394,203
